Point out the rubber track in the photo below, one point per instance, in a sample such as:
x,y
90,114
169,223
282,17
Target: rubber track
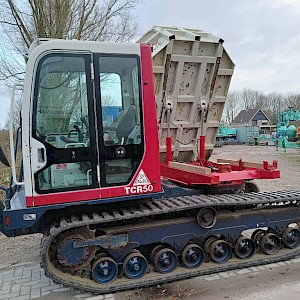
x,y
151,208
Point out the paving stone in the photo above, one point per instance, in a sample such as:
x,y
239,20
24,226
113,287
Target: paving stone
x,y
261,268
35,267
6,285
51,288
45,293
7,272
254,269
36,276
24,280
25,290
11,295
31,283
35,293
13,278
243,271
16,287
40,285
296,260
4,291
20,298
224,274
272,266
18,272
212,277
9,277
26,274
46,279
63,289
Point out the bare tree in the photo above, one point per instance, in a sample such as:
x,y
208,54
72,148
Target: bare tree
x,y
232,106
23,21
249,98
293,101
275,102
26,20
271,103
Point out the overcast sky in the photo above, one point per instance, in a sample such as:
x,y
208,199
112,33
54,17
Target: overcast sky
x,y
261,36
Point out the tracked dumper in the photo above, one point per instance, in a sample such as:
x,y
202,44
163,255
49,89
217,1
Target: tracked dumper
x,y
115,170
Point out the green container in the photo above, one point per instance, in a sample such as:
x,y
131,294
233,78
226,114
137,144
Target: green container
x,y
291,131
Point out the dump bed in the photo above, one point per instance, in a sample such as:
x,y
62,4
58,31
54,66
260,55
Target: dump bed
x,y
192,73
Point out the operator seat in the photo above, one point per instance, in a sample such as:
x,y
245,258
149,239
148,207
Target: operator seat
x,y
126,122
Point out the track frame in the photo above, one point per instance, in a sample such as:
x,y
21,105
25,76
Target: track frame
x,y
235,214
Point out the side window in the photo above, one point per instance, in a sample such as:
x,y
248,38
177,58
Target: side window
x,y
61,108
120,100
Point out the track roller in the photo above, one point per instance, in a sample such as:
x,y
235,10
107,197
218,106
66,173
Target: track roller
x,y
220,251
257,235
270,243
207,217
135,265
291,237
244,247
165,260
192,256
251,187
154,252
208,242
104,270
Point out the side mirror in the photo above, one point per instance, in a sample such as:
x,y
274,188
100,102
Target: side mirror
x,y
3,158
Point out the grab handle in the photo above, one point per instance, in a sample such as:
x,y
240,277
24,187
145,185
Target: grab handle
x,y
17,86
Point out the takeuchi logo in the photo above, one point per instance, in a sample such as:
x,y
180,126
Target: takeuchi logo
x,y
141,185
141,179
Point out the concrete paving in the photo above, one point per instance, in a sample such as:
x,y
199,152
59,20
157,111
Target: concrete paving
x,y
28,281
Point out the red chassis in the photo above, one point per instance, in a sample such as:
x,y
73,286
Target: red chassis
x,y
221,173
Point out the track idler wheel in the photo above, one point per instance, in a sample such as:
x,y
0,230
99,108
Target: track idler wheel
x,y
135,265
192,256
165,260
291,237
270,243
244,247
104,270
207,217
220,251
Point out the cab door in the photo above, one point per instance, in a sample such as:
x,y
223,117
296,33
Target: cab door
x,y
119,117
64,155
